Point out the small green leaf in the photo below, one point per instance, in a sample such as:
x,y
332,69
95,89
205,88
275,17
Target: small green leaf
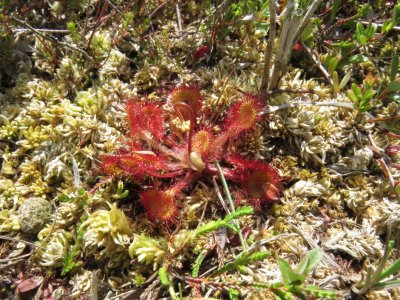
x,y
360,34
368,95
264,11
389,284
345,80
363,10
352,96
320,293
371,30
331,63
394,86
393,268
308,263
162,274
241,211
386,26
397,189
72,27
74,31
289,276
358,58
297,291
258,256
282,295
395,97
197,263
243,259
357,91
233,294
285,269
396,15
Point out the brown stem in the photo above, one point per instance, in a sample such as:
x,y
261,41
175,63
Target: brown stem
x,y
228,173
384,119
99,18
270,46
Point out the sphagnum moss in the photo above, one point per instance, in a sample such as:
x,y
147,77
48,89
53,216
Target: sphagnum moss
x,y
68,104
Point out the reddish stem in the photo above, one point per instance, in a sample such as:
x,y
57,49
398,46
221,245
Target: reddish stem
x,y
384,119
166,175
229,174
97,24
191,115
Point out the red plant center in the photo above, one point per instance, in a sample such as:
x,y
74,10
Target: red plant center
x,y
201,142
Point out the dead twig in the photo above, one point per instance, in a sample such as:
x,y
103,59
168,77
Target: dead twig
x,y
60,31
386,171
179,17
326,259
288,91
52,39
293,25
9,238
4,260
147,294
159,8
11,264
270,46
347,105
94,289
99,17
318,63
219,195
251,248
384,119
379,25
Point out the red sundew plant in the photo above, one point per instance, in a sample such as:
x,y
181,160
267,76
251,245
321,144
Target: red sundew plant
x,y
178,160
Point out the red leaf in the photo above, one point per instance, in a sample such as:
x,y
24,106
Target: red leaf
x,y
134,165
145,117
243,115
159,205
260,180
189,95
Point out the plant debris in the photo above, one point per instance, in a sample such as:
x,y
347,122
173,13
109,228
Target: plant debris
x,y
199,149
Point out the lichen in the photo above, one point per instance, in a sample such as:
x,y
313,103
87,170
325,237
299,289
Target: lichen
x,y
63,100
33,214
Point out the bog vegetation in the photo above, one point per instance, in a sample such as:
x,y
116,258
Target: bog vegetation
x,y
199,149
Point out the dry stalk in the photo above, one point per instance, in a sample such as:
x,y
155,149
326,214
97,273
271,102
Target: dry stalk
x,y
347,105
318,63
178,15
270,46
292,27
51,38
326,259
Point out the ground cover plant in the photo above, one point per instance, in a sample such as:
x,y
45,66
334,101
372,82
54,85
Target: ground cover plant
x,y
199,149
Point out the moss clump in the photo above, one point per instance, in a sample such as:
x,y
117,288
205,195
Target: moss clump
x,y
34,213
